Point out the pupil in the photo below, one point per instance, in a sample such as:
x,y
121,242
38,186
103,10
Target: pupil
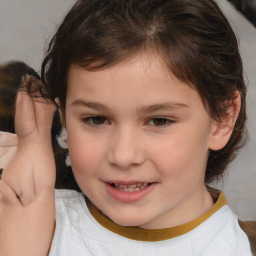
x,y
159,121
98,120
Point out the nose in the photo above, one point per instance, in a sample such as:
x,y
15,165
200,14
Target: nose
x,y
126,149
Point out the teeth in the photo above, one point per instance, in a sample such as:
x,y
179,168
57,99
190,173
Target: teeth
x,y
130,188
121,186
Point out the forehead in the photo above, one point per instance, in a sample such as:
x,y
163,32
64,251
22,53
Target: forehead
x,y
142,64
144,79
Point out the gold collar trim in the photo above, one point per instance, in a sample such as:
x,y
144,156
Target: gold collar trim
x,y
154,235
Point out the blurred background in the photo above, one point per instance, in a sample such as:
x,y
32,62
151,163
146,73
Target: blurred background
x,y
27,25
247,7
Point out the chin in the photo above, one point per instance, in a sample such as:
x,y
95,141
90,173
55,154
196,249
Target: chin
x,y
128,221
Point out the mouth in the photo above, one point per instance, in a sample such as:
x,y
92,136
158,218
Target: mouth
x,y
128,192
131,187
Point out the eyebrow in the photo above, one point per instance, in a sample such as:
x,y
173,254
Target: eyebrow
x,y
143,109
163,106
89,104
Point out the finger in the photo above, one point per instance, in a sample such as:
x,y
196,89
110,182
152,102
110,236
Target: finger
x,y
33,119
24,115
34,158
8,139
44,112
6,155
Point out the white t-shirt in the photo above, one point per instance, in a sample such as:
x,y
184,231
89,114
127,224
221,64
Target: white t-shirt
x,y
81,229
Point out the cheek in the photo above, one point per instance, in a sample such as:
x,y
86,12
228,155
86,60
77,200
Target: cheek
x,y
180,157
85,163
85,155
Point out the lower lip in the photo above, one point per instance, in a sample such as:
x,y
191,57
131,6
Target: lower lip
x,y
127,197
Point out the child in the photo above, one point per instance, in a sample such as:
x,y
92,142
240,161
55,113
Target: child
x,y
153,100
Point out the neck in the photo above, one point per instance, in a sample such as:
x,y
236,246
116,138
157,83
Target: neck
x,y
189,209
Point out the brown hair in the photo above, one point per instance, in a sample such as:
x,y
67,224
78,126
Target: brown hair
x,y
11,74
194,39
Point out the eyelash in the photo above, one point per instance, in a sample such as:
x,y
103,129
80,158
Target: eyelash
x,y
90,120
166,121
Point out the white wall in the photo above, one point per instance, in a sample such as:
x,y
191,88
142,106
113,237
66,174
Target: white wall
x,y
25,25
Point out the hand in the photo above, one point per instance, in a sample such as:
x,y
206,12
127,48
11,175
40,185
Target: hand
x,y
27,210
8,146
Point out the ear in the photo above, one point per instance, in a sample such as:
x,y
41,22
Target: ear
x,y
221,131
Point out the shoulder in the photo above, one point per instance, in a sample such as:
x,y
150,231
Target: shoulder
x,y
224,224
72,223
222,233
69,202
63,194
69,198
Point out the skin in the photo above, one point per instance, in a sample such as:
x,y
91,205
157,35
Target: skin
x,y
136,122
8,142
27,184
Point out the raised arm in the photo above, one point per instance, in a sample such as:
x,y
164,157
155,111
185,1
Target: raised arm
x,y
27,210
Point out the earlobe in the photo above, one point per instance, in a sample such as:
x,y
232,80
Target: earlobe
x,y
221,131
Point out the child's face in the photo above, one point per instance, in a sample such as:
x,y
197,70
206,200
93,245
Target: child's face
x,y
137,126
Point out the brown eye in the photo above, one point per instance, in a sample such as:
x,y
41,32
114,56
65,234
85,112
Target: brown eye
x,y
98,120
95,120
160,121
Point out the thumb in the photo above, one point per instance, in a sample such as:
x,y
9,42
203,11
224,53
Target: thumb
x,y
34,114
